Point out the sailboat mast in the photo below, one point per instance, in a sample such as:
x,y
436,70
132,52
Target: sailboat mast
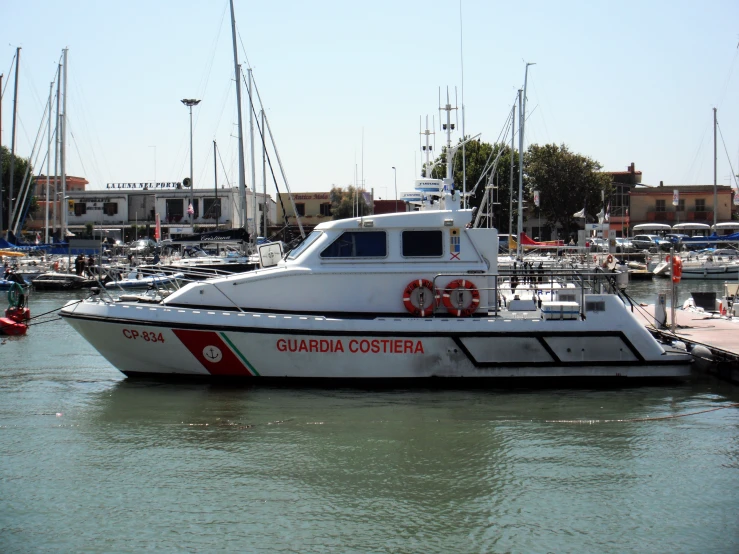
x,y
216,207
12,140
64,152
522,124
264,178
57,207
48,165
1,156
715,182
513,149
240,135
253,169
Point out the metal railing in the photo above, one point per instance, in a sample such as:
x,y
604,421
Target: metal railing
x,y
538,283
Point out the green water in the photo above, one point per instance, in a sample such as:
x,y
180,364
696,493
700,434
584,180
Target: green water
x,y
93,462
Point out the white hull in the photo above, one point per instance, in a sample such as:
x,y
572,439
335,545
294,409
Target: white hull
x,y
718,273
144,339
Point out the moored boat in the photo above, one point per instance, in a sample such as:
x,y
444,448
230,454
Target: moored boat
x,y
406,295
61,281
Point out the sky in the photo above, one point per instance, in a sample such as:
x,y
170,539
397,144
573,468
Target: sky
x,y
345,85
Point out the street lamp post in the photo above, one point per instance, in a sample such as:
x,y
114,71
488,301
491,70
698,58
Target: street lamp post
x,y
189,102
395,179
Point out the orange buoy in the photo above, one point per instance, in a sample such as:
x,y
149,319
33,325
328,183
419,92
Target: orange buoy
x,y
677,269
415,296
459,310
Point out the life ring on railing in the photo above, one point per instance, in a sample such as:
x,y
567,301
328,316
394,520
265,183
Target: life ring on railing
x,y
677,269
608,263
459,310
667,259
414,297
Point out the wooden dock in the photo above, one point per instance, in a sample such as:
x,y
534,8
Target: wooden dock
x,y
719,334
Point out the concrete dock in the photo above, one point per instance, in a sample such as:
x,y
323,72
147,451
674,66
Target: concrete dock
x,y
719,334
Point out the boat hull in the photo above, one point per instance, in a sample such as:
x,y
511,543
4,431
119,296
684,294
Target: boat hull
x,y
173,341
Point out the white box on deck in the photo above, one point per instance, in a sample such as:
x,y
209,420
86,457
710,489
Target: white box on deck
x,y
560,310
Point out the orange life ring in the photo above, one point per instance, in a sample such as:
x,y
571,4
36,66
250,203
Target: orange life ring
x,y
677,269
459,311
421,310
667,258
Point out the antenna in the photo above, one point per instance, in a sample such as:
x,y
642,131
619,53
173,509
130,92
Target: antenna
x,y
426,148
448,127
456,115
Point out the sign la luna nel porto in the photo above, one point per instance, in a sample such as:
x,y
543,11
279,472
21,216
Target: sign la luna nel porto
x,y
143,186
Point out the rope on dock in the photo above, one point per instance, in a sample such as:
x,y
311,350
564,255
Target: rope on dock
x,y
638,419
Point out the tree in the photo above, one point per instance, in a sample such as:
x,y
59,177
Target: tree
x,y
344,202
567,182
478,155
21,166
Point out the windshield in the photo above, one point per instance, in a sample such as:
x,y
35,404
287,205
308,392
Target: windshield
x,y
298,250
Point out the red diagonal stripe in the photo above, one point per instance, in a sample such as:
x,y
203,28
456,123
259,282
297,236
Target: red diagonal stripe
x,y
200,343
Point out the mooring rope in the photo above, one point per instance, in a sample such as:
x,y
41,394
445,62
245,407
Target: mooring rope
x,y
40,315
637,419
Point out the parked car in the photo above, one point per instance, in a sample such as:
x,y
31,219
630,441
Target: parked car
x,y
597,245
144,247
623,245
650,242
503,243
676,238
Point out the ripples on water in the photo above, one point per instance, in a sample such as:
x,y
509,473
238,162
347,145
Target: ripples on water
x,y
98,463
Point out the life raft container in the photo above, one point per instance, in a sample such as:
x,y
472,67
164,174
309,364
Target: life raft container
x,y
12,328
415,297
458,288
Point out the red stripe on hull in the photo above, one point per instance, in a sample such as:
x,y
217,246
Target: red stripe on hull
x,y
212,352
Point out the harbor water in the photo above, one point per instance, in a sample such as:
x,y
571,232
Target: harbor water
x,y
95,462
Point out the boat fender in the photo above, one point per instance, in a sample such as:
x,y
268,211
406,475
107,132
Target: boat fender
x,y
702,357
459,310
426,287
56,265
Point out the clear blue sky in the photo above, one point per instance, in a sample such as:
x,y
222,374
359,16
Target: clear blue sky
x,y
622,82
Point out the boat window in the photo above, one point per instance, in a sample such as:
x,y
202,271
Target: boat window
x,y
297,251
358,244
422,244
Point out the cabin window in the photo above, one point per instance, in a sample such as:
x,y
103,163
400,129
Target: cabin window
x,y
358,244
110,208
80,208
303,246
422,244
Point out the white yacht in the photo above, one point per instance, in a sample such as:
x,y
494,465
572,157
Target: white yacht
x,y
397,296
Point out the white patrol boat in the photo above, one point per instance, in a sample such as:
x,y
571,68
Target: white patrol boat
x,y
397,296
